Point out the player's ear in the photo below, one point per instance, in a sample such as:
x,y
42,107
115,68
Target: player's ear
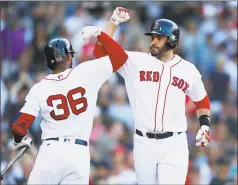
x,y
68,59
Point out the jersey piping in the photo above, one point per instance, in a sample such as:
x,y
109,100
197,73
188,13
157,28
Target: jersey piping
x,y
167,92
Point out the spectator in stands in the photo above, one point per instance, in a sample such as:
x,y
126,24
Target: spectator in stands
x,y
120,108
222,169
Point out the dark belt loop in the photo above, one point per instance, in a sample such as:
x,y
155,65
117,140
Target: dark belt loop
x,y
138,132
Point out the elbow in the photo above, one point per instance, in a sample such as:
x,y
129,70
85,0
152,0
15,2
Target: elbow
x,y
95,53
121,60
99,51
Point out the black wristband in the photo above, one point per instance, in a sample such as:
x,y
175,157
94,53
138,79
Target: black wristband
x,y
17,138
204,120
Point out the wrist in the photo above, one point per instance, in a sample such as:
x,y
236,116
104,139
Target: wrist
x,y
114,21
111,25
205,127
17,139
204,120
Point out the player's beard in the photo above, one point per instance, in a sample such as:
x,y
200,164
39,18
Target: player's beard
x,y
158,51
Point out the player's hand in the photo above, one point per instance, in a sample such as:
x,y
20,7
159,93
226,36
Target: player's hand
x,y
23,143
90,31
203,136
120,15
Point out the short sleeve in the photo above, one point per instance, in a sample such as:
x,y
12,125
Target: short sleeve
x,y
130,65
197,91
102,67
32,105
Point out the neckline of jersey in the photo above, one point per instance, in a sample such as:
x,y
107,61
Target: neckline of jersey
x,y
55,76
171,62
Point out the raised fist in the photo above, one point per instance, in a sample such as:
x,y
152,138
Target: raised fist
x,y
90,31
120,15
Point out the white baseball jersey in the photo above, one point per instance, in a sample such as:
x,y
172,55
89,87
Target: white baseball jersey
x,y
67,100
157,91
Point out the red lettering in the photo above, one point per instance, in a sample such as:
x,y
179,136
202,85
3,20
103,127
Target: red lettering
x,y
74,102
148,76
181,83
155,76
142,75
64,107
185,87
175,81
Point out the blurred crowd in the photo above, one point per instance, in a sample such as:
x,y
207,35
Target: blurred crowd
x,y
208,39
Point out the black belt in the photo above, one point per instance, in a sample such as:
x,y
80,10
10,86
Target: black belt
x,y
157,135
76,141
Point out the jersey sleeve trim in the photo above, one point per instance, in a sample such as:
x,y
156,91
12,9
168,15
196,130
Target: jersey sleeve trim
x,y
203,104
22,123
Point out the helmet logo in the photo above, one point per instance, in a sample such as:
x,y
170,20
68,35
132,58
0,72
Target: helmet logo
x,y
155,27
172,37
59,59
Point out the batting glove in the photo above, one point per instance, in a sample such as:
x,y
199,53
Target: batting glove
x,y
203,136
25,142
120,15
90,31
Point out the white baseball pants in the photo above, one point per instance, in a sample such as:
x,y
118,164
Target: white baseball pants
x,y
163,161
61,163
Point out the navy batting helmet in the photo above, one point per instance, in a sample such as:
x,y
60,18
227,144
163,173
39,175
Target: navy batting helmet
x,y
167,28
56,50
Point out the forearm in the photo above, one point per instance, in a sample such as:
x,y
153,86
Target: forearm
x,y
119,15
115,52
201,112
99,50
109,30
21,125
204,117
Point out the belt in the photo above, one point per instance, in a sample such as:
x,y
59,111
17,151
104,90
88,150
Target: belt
x,y
157,135
69,140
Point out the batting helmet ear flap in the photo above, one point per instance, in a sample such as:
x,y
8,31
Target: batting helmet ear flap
x,y
172,45
173,39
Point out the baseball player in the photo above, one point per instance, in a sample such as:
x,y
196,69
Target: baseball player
x,y
157,84
66,99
